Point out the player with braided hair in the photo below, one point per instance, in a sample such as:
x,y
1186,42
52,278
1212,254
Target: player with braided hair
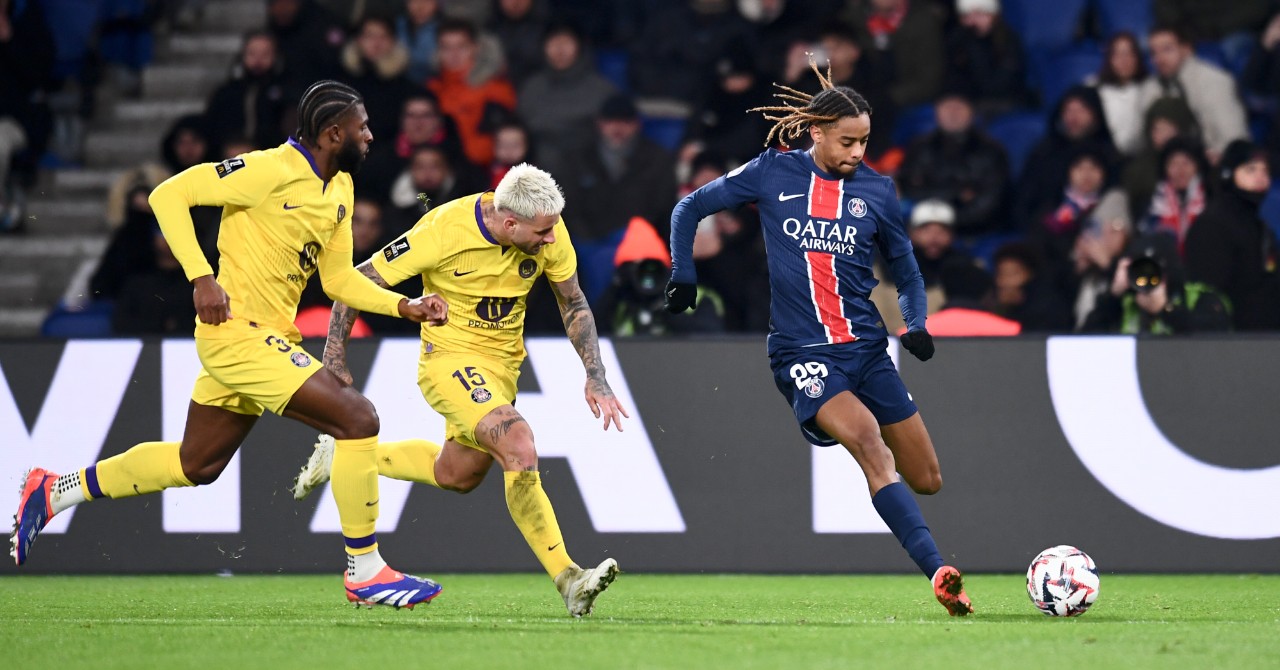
x,y
285,217
821,211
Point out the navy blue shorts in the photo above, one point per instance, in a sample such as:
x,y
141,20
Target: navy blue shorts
x,y
808,378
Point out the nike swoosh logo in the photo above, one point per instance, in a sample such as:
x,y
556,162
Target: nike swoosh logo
x,y
372,503
782,197
553,547
287,207
462,274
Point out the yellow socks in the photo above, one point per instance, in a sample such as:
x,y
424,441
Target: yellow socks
x,y
409,460
355,488
531,510
146,468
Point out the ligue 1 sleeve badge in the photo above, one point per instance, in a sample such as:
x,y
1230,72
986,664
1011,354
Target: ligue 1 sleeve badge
x,y
481,395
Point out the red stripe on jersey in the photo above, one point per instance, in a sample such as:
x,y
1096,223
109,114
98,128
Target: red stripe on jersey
x,y
824,288
824,197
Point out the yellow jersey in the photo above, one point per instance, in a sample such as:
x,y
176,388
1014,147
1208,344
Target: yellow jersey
x,y
484,282
280,223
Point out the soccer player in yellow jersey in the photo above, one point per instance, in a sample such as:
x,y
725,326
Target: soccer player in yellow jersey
x,y
482,253
285,215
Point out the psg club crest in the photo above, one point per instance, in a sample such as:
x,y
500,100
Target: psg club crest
x,y
481,395
528,266
300,359
814,388
857,207
342,213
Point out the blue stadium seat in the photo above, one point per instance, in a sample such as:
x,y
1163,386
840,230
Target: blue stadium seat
x,y
983,247
73,24
613,64
1018,133
913,122
1271,209
94,320
1044,25
1131,15
668,132
1061,71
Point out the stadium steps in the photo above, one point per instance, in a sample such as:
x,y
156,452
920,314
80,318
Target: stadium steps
x,y
66,234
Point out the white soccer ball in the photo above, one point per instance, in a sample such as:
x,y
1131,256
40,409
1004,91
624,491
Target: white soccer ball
x,y
1062,581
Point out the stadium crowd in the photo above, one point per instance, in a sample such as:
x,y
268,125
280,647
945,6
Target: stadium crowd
x,y
1064,165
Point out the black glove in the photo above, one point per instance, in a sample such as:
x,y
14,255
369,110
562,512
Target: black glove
x,y
680,296
919,343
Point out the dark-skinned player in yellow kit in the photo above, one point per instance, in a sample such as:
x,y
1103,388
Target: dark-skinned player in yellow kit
x,y
285,215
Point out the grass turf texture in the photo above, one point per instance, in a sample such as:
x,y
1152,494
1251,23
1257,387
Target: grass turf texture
x,y
659,621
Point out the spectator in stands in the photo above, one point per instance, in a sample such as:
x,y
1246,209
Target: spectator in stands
x,y
351,12
1149,296
720,126
308,38
157,300
186,144
777,25
910,35
521,26
477,102
1232,26
1024,293
933,240
985,58
511,147
959,164
416,29
1124,71
431,179
1181,193
674,57
1261,80
1094,255
1077,124
1231,248
1166,119
252,102
1056,226
421,124
561,99
1209,90
26,76
970,307
621,175
375,63
863,70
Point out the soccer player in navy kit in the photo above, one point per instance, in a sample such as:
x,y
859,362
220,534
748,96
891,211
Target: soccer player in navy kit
x,y
821,210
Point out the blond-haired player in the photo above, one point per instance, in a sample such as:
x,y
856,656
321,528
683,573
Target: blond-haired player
x,y
482,253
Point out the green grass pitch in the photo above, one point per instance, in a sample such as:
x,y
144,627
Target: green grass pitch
x,y
644,621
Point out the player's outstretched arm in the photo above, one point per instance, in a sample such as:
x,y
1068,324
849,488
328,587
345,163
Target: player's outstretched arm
x,y
580,326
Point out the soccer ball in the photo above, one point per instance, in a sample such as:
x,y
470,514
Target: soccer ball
x,y
1062,581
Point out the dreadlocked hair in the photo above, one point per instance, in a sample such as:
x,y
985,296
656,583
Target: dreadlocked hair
x,y
323,104
799,110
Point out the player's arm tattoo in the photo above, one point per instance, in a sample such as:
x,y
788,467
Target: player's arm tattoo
x,y
341,320
580,326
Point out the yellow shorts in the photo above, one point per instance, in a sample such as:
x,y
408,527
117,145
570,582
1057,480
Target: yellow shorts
x,y
256,369
463,388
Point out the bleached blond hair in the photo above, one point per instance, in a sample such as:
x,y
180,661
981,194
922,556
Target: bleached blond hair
x,y
527,191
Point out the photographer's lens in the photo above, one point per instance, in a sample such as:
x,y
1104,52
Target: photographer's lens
x,y
1145,274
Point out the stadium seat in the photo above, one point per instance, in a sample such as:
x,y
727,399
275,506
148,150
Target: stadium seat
x,y
913,122
1061,71
1131,15
1270,211
668,132
1044,25
1017,132
613,64
983,248
73,24
94,320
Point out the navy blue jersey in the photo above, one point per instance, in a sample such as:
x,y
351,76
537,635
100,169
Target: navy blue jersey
x,y
818,232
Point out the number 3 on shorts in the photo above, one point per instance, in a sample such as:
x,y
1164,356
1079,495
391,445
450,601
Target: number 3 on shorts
x,y
468,377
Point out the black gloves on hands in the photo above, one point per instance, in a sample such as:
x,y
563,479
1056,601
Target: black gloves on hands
x,y
680,296
919,343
